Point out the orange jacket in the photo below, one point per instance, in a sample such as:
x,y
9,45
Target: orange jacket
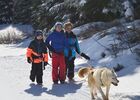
x,y
34,56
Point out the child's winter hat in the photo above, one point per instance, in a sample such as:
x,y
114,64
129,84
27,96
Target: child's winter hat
x,y
38,32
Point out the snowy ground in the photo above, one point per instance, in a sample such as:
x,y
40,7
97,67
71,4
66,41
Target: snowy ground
x,y
15,83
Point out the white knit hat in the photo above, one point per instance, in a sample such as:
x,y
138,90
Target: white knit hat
x,y
58,23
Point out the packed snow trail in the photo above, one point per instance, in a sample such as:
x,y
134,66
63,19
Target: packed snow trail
x,y
14,75
15,83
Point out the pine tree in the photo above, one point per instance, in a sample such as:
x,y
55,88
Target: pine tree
x,y
38,17
6,11
93,10
23,11
137,9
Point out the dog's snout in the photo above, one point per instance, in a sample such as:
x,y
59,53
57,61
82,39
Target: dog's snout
x,y
118,81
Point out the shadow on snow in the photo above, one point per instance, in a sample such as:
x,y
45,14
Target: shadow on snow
x,y
35,90
59,90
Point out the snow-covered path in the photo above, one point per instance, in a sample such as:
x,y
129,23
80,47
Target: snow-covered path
x,y
15,83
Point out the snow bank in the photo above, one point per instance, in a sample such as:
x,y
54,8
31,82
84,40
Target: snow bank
x,y
94,25
106,27
96,45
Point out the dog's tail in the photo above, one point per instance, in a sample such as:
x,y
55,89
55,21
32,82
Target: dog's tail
x,y
84,71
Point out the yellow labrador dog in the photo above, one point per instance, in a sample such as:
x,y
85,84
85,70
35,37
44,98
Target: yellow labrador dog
x,y
97,78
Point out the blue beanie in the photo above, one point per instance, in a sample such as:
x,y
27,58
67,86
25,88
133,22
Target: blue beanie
x,y
38,32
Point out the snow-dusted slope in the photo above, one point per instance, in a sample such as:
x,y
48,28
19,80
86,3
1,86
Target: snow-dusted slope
x,y
15,83
128,88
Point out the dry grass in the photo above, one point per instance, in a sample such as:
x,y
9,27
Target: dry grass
x,y
10,38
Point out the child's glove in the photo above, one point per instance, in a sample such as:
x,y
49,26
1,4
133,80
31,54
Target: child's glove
x,y
29,60
45,63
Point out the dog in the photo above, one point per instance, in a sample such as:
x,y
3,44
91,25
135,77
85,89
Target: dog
x,y
98,78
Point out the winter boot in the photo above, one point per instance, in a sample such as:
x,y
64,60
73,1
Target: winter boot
x,y
62,81
55,82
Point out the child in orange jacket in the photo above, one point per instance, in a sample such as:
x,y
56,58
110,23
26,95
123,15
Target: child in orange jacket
x,y
38,56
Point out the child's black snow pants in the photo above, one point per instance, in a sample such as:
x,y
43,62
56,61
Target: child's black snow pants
x,y
36,72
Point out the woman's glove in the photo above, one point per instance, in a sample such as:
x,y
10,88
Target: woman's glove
x,y
85,56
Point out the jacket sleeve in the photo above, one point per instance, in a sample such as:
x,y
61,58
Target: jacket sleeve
x,y
29,50
47,42
77,46
48,39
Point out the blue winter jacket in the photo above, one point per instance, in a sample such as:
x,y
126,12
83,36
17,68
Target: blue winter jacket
x,y
73,46
56,42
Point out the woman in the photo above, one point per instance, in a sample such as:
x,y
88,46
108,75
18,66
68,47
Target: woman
x,y
37,55
56,42
70,52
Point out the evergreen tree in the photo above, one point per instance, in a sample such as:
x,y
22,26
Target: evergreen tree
x,y
44,13
6,11
93,10
137,9
23,11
